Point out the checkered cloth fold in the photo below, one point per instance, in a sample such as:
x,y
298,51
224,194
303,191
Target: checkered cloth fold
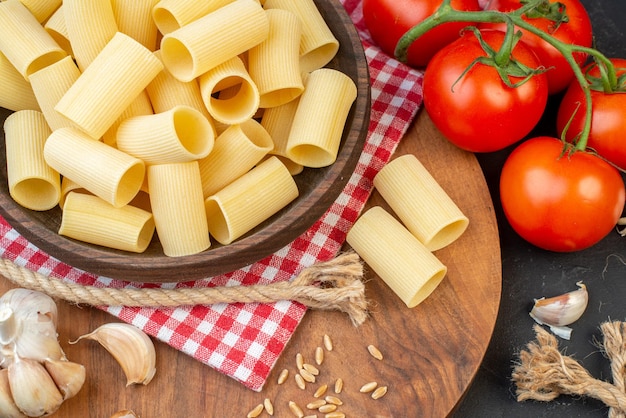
x,y
244,341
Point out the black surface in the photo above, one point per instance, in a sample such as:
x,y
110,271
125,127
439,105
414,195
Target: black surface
x,y
529,273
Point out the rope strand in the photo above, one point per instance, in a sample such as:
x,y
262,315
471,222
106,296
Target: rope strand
x,y
332,285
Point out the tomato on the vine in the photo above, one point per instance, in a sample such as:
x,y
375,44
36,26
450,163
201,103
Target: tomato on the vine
x,y
388,20
608,120
471,104
560,201
576,30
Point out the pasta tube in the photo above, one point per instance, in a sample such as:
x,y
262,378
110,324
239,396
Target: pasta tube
x,y
50,84
107,172
32,183
90,27
321,116
166,91
15,92
318,45
178,135
213,39
109,85
90,219
57,29
404,264
274,64
141,105
236,151
178,208
170,15
42,9
250,200
420,202
134,18
23,40
215,86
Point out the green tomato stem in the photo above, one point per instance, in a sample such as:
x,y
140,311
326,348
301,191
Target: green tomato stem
x,y
446,14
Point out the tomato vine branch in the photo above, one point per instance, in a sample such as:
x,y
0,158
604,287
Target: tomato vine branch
x,y
446,14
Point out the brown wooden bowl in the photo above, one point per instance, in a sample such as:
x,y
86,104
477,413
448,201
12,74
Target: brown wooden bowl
x,y
318,190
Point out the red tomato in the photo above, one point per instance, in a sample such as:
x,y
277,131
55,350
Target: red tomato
x,y
576,31
477,111
560,203
388,20
608,121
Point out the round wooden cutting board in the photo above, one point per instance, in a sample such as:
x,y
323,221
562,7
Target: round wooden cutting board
x,y
431,352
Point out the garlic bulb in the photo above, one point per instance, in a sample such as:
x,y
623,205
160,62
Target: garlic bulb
x,y
35,375
559,311
130,346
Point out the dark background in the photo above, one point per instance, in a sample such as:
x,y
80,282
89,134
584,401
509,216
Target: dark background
x,y
529,273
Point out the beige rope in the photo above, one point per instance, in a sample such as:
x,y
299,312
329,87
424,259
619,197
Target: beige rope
x,y
544,373
615,349
332,285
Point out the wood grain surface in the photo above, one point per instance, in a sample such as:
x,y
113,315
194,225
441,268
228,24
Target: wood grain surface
x,y
431,352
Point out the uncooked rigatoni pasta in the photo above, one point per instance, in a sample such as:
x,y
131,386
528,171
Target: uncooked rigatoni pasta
x,y
90,219
274,64
250,200
420,202
166,91
50,84
90,26
32,183
140,106
105,171
236,150
170,15
321,116
214,38
400,259
42,9
177,135
318,45
134,18
15,92
229,93
23,40
57,29
178,208
108,86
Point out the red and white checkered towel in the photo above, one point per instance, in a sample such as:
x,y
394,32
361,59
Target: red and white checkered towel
x,y
244,341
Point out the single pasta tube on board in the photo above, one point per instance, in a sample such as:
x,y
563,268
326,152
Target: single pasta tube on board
x,y
420,202
32,182
50,84
109,85
15,92
107,172
178,135
90,27
321,116
318,45
248,201
214,38
236,151
23,40
227,77
274,64
178,208
170,15
88,218
401,261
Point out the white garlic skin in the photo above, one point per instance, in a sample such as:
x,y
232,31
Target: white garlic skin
x,y
562,310
34,392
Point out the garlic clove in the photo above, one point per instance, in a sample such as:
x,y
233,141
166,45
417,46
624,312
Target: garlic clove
x,y
32,344
130,346
8,409
67,375
562,310
124,414
30,304
34,391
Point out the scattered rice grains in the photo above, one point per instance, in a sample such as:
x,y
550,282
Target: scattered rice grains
x,y
307,372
